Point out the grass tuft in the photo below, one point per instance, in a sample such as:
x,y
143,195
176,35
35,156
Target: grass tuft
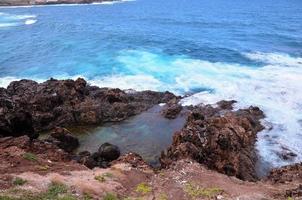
x,y
143,188
19,181
195,191
100,178
110,196
30,156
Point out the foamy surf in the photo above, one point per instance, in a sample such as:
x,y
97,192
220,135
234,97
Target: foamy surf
x,y
9,20
30,21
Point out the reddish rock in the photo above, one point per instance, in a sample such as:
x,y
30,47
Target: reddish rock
x,y
171,111
286,174
135,160
221,139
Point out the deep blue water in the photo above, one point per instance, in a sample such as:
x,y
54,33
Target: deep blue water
x,y
250,51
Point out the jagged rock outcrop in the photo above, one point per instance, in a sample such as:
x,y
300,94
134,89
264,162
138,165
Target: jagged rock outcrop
x,y
27,107
219,138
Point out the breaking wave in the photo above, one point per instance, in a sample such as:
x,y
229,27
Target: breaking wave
x,y
9,20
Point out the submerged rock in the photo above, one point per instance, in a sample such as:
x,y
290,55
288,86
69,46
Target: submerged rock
x,y
220,139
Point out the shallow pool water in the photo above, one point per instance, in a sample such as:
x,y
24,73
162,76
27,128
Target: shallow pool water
x,y
146,134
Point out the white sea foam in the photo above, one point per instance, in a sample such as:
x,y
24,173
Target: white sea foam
x,y
9,20
30,21
4,25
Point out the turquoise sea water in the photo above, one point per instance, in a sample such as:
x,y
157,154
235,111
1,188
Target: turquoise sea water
x,y
250,51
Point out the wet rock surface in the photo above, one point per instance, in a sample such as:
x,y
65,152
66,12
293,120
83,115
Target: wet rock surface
x,y
171,111
219,138
27,107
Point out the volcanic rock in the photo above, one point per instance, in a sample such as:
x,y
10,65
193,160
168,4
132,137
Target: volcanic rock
x,y
221,139
171,111
109,152
27,107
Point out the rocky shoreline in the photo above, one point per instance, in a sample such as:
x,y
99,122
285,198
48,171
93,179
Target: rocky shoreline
x,y
47,2
212,157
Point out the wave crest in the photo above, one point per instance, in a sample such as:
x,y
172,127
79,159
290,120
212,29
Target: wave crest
x,y
9,20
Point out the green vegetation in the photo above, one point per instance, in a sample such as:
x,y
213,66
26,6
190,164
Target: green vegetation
x,y
19,181
143,188
87,196
163,197
108,174
43,167
30,157
110,196
56,191
100,178
195,191
290,198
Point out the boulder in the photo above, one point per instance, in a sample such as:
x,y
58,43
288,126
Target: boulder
x,y
102,158
109,152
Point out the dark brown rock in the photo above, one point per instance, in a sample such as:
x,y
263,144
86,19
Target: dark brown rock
x,y
109,152
27,107
171,111
64,139
219,138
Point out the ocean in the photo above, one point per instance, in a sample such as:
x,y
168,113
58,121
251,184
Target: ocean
x,y
249,51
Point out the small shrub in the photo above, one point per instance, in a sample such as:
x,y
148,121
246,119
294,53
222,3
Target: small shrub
x,y
110,196
87,196
30,157
19,181
195,191
43,167
54,190
108,174
163,197
143,188
100,178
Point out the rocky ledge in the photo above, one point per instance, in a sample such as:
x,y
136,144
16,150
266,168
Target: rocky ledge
x,y
27,107
46,2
